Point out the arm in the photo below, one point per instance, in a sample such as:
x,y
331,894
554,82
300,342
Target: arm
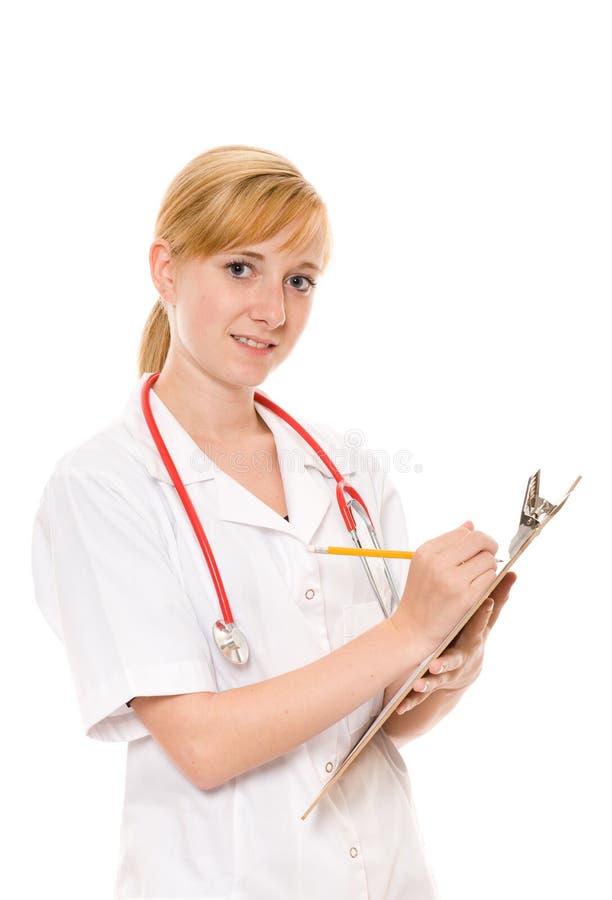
x,y
213,737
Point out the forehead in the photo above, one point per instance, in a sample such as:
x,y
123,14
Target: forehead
x,y
313,248
309,255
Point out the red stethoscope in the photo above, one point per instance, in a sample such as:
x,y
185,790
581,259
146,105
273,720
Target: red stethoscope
x,y
228,637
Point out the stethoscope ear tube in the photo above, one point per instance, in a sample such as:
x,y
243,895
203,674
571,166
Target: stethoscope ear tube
x,y
356,505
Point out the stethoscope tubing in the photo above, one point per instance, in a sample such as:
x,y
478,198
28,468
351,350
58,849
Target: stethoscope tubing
x,y
186,500
342,487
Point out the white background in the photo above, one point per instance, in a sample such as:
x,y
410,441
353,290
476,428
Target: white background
x,y
463,150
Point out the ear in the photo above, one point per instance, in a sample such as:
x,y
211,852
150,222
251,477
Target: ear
x,y
162,265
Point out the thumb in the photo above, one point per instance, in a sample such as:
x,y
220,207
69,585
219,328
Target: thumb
x,y
477,625
469,524
485,612
482,618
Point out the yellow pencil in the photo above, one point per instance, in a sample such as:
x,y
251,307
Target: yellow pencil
x,y
362,551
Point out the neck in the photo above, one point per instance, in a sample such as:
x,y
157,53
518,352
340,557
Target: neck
x,y
206,408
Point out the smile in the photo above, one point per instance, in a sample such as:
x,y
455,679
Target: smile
x,y
251,343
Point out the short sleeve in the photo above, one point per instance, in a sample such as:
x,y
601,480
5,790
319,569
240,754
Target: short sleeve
x,y
105,582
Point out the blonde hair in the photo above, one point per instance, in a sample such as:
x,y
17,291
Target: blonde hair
x,y
226,197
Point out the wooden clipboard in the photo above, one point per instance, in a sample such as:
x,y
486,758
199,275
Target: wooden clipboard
x,y
397,698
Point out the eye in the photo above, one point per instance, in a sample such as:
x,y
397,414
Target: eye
x,y
237,264
307,283
301,283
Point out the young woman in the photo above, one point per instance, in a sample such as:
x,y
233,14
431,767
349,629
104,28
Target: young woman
x,y
233,729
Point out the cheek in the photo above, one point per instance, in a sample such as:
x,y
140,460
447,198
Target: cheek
x,y
300,316
194,320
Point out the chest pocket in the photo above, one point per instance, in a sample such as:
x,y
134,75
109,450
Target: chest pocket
x,y
358,617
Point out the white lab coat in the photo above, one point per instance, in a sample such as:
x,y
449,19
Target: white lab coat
x,y
121,578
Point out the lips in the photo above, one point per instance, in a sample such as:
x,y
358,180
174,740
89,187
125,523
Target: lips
x,y
253,337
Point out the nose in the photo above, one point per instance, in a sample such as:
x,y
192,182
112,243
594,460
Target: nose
x,y
269,305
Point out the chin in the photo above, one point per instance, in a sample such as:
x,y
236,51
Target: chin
x,y
247,382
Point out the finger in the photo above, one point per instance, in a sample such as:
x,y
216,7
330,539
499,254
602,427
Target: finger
x,y
501,591
429,685
500,595
440,543
448,662
413,699
479,564
482,583
471,543
474,629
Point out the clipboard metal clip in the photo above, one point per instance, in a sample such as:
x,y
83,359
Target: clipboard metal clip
x,y
534,512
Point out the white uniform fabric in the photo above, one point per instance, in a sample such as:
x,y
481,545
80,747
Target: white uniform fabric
x,y
121,579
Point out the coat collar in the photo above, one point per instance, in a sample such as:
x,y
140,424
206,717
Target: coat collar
x,y
308,498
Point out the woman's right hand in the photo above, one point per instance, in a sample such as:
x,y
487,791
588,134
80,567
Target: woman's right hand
x,y
447,576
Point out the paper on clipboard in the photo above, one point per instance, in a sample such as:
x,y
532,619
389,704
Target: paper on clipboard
x,y
535,514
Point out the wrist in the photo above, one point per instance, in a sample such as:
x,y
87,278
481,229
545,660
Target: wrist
x,y
410,637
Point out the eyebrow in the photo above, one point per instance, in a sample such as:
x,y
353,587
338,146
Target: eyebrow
x,y
301,265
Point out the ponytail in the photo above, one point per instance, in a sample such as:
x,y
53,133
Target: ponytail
x,y
155,340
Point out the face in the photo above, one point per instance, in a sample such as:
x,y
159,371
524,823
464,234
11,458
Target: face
x,y
255,291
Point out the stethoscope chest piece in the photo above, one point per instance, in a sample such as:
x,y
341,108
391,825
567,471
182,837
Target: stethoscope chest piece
x,y
231,642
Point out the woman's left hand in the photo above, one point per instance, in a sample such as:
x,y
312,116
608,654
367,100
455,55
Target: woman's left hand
x,y
461,663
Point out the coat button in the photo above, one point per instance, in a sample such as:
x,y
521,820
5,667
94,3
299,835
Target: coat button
x,y
329,766
309,594
353,851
